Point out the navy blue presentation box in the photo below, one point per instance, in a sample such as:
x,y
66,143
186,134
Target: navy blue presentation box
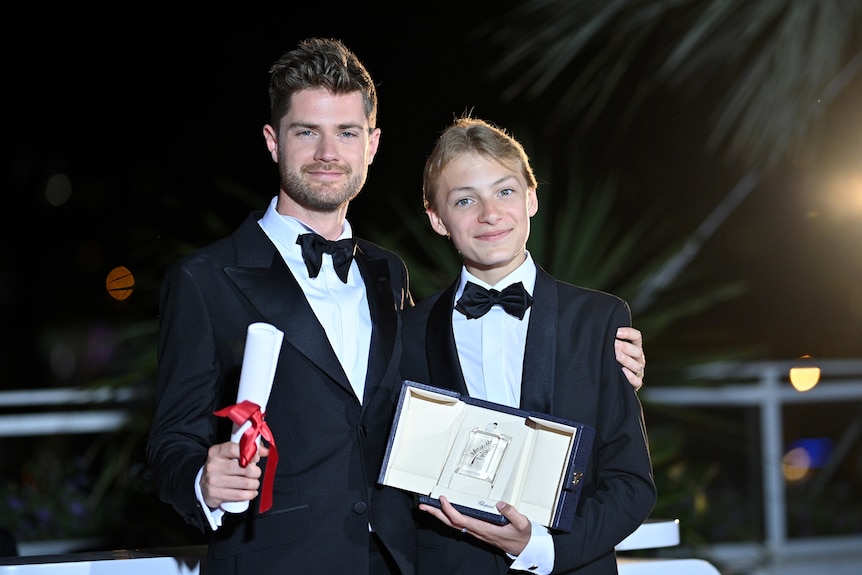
x,y
477,453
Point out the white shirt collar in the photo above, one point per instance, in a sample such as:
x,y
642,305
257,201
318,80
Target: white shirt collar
x,y
285,229
524,273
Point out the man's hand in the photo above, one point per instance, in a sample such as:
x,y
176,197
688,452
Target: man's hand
x,y
630,353
511,538
223,479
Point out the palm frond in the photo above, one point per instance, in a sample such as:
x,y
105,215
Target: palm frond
x,y
774,61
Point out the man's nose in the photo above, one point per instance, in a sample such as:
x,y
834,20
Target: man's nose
x,y
326,150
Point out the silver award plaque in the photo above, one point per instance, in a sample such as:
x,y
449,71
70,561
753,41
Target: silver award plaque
x,y
483,453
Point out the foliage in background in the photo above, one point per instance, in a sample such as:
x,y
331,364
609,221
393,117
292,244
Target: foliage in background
x,y
775,65
52,498
772,69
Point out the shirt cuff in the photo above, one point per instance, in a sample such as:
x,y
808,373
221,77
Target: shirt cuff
x,y
538,556
213,515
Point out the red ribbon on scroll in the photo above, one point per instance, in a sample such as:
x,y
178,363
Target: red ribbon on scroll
x,y
240,413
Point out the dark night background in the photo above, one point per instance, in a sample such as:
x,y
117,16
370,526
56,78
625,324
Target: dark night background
x,y
155,116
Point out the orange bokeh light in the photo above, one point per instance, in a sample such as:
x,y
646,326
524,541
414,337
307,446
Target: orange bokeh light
x,y
120,283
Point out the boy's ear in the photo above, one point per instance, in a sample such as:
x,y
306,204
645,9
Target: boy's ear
x,y
532,202
436,223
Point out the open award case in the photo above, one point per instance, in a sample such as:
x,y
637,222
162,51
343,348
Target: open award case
x,y
477,453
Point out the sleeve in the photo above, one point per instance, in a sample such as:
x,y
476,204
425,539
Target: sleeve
x,y
183,426
620,492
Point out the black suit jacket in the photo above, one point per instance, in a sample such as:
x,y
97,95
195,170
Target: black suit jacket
x,y
330,446
570,370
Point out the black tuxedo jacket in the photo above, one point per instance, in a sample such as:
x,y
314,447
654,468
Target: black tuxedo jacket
x,y
330,446
570,370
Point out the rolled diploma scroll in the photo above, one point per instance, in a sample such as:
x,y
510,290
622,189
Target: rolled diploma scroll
x,y
262,346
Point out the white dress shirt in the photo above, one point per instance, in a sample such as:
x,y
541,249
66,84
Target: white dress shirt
x,y
341,308
491,352
491,348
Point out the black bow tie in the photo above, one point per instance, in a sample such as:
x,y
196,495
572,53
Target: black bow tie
x,y
476,300
313,248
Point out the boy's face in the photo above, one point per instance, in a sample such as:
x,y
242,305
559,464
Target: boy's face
x,y
486,208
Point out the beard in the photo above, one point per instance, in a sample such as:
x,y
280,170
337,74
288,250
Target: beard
x,y
320,196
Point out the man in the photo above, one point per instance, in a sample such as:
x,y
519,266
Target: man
x,y
546,347
336,379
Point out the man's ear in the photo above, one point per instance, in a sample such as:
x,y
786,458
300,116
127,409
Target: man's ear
x,y
271,142
373,143
436,223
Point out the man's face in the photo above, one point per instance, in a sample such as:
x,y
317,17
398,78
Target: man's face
x,y
486,208
323,149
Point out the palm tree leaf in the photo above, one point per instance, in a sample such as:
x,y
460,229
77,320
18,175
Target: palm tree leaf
x,y
783,55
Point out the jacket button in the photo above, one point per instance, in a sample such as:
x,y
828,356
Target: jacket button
x,y
360,508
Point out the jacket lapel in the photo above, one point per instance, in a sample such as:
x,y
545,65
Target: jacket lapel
x,y
384,318
537,381
442,354
275,294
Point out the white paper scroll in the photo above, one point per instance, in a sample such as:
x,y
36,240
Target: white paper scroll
x,y
262,346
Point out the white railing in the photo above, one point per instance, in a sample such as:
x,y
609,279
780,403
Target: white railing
x,y
765,385
90,419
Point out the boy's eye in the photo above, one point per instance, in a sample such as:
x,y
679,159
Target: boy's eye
x,y
507,192
462,202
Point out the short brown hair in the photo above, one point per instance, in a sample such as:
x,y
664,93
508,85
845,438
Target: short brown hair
x,y
465,135
319,63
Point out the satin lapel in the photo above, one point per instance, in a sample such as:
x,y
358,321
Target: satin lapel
x,y
384,318
537,381
441,352
278,298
